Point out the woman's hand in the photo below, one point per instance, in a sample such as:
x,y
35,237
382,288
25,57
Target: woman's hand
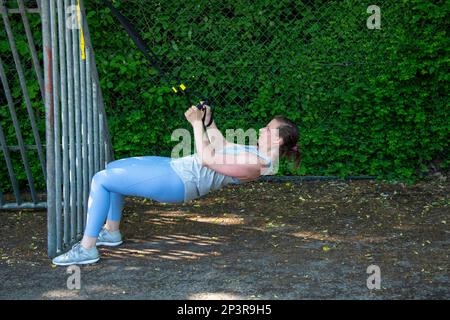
x,y
193,115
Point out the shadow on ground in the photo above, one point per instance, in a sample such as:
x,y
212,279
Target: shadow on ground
x,y
308,240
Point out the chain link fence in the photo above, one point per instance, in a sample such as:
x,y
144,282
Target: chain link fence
x,y
251,59
231,52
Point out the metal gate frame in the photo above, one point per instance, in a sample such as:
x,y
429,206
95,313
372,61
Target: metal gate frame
x,y
79,145
21,146
77,138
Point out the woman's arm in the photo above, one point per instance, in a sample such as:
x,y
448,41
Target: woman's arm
x,y
204,148
215,136
243,166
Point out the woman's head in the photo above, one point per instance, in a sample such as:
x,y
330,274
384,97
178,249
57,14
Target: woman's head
x,y
287,140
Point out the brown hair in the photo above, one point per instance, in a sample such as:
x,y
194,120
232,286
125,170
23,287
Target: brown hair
x,y
289,132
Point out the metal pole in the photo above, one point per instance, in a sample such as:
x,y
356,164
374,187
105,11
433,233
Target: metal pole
x,y
9,164
96,133
10,167
89,116
12,110
104,137
84,134
49,130
79,169
56,119
71,119
26,96
64,121
36,64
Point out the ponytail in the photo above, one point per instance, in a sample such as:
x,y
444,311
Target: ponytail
x,y
290,134
294,155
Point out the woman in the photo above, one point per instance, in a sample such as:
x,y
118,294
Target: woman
x,y
216,164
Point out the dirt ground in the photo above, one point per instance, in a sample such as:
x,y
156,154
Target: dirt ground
x,y
263,240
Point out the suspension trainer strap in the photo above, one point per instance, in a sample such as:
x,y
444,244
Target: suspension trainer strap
x,y
154,60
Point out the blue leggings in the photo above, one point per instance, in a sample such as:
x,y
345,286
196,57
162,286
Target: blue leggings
x,y
150,177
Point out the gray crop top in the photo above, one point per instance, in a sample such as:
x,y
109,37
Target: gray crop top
x,y
199,180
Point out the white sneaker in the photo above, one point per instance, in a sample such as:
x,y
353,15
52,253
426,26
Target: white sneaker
x,y
77,255
109,239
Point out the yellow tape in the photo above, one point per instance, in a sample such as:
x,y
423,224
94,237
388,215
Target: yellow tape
x,y
182,86
175,90
83,55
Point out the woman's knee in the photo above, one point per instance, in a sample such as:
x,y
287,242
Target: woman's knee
x,y
99,177
113,164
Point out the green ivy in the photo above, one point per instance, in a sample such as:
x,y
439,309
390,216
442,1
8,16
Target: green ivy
x,y
367,102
